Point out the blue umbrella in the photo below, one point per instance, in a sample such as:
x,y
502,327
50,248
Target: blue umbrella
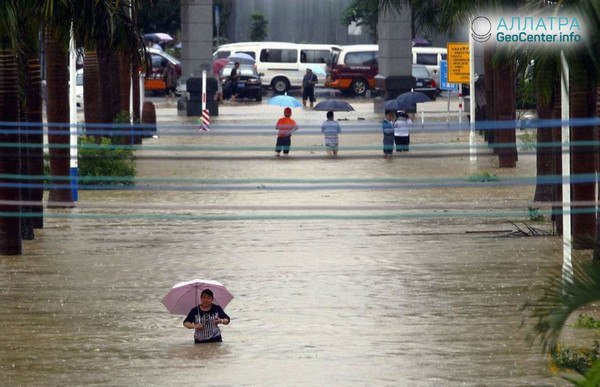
x,y
334,105
317,70
284,101
412,98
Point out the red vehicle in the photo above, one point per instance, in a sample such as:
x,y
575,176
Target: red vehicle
x,y
354,68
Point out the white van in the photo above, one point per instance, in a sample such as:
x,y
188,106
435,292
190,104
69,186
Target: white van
x,y
430,57
283,64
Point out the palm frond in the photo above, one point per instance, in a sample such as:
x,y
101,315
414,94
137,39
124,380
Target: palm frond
x,y
560,298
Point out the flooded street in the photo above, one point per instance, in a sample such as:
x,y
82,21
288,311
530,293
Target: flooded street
x,y
349,271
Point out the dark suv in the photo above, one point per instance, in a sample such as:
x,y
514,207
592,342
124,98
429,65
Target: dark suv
x,y
249,84
424,83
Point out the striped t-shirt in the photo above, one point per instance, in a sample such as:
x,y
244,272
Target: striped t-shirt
x,y
331,129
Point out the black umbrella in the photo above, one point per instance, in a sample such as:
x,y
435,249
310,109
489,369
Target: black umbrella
x,y
420,42
394,104
412,98
334,105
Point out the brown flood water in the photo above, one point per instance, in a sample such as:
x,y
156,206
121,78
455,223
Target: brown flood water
x,y
425,300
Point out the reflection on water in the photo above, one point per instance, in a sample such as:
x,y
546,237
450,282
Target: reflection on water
x,y
345,302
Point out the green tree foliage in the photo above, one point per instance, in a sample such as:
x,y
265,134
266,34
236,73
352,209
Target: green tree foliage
x,y
160,16
259,29
363,13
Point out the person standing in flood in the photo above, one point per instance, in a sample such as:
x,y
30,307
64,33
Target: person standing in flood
x,y
308,87
285,126
331,129
205,319
387,127
170,77
234,75
401,132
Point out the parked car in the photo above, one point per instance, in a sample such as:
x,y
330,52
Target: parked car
x,y
424,83
249,84
153,81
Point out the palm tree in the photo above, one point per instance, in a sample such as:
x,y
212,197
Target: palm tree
x,y
585,65
10,226
31,102
58,118
584,71
109,32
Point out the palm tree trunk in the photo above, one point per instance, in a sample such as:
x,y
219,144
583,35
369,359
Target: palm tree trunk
x,y
545,155
33,116
125,79
582,98
58,114
110,101
10,226
125,87
504,100
91,93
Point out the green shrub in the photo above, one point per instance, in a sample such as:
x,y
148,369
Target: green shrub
x,y
587,322
483,177
534,214
103,161
529,139
578,359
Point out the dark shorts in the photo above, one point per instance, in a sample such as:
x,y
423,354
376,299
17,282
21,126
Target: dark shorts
x,y
388,144
402,143
309,93
216,339
283,143
170,89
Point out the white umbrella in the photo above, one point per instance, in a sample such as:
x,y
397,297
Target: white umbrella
x,y
242,58
186,295
163,36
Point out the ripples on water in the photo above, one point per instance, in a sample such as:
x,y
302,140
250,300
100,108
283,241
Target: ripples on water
x,y
344,302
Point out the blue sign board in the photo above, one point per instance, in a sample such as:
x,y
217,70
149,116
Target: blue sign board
x,y
444,85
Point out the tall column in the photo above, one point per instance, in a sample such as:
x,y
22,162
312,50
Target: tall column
x,y
395,54
197,37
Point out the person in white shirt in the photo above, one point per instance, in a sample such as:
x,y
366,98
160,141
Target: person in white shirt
x,y
401,132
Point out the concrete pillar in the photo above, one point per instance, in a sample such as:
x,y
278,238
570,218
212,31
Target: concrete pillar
x,y
197,37
395,54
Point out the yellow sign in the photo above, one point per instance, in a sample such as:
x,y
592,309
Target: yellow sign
x,y
458,63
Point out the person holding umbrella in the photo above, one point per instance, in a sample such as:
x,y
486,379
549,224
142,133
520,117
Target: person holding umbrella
x,y
233,80
205,319
207,299
331,129
401,133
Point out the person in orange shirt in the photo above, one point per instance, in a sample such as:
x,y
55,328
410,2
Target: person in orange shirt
x,y
285,126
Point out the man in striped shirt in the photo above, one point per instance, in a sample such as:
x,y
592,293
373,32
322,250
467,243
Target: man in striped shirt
x,y
331,129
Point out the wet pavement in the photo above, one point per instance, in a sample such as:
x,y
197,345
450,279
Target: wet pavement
x,y
349,271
